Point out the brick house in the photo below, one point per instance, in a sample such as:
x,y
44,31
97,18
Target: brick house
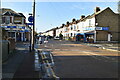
x,y
15,24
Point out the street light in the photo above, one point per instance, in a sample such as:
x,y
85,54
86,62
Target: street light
x,y
30,33
33,31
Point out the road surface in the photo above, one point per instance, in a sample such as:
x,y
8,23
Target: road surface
x,y
81,61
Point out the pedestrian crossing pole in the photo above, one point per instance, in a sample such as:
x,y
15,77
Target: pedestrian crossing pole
x,y
33,30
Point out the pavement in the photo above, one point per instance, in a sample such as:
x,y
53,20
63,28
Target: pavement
x,y
20,64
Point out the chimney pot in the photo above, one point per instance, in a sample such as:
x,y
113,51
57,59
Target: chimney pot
x,y
97,9
83,16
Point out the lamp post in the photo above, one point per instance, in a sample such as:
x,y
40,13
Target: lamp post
x,y
30,20
33,30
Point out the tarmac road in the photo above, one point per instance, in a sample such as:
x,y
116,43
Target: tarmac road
x,y
81,61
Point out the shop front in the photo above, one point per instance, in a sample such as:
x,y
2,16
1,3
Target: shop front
x,y
89,36
80,37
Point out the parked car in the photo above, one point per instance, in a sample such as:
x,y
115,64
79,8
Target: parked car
x,y
56,38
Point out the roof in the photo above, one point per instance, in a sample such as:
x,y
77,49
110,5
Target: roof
x,y
9,12
94,14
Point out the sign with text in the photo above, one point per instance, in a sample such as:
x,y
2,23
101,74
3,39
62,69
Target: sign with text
x,y
89,28
29,23
102,28
98,28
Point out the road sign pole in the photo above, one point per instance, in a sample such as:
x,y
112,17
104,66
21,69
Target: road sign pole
x,y
33,30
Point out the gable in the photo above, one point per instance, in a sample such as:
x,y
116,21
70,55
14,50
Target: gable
x,y
106,12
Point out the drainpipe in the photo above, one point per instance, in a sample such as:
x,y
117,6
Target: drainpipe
x,y
95,36
15,37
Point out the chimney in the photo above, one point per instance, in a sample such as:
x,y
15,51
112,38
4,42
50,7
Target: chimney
x,y
67,22
73,19
97,9
83,16
63,24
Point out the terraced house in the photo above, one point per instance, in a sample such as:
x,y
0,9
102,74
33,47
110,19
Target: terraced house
x,y
15,25
101,26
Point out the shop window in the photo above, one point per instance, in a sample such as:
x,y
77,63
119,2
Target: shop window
x,y
3,20
11,34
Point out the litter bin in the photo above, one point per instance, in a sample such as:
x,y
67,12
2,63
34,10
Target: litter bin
x,y
11,44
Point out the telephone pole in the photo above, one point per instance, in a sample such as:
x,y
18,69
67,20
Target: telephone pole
x,y
33,30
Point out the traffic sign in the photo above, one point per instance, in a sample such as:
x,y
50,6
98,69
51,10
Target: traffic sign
x,y
30,18
29,23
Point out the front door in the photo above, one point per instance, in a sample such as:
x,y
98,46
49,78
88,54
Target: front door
x,y
109,37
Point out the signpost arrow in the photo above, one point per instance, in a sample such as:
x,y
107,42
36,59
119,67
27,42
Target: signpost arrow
x,y
29,23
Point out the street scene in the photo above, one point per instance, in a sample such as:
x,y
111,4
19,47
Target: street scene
x,y
38,42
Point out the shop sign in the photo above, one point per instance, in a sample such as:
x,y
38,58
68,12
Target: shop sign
x,y
98,28
29,23
89,28
11,27
1,26
102,28
105,28
21,27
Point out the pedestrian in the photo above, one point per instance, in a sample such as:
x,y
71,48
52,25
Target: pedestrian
x,y
46,40
40,40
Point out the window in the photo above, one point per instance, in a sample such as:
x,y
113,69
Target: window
x,y
74,27
71,27
77,27
3,20
7,20
89,22
71,34
82,25
74,34
10,19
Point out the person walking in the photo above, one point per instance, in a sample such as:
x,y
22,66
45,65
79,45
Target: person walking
x,y
40,40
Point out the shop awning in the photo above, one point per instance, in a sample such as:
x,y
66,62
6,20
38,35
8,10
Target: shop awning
x,y
80,34
21,31
89,33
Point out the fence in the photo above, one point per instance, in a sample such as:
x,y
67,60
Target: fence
x,y
44,66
